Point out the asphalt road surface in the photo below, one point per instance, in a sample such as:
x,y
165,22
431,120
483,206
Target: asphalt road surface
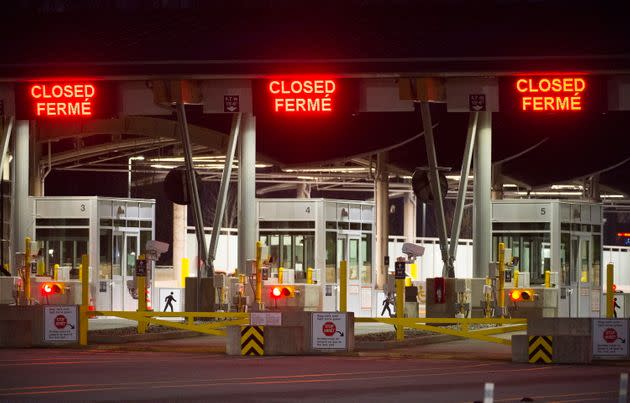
x,y
97,375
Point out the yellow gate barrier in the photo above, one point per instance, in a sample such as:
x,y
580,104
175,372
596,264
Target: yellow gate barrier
x,y
153,318
502,326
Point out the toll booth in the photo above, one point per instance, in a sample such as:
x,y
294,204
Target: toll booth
x,y
317,234
560,237
113,232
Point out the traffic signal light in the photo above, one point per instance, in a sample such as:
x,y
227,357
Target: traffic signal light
x,y
522,295
51,288
281,291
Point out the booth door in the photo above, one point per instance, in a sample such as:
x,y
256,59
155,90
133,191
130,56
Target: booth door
x,y
124,254
348,249
581,262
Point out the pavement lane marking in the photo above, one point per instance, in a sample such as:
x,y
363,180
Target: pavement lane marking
x,y
571,395
263,381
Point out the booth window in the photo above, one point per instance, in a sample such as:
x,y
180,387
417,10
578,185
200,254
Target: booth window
x,y
105,261
353,259
63,246
532,249
331,257
366,259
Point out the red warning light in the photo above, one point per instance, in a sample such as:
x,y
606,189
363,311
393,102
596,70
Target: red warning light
x,y
623,234
302,95
276,292
515,295
50,288
546,94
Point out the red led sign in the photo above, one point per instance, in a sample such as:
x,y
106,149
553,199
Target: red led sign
x,y
52,100
289,96
549,94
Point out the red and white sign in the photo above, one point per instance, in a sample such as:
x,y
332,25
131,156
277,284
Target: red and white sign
x,y
291,96
329,331
610,338
61,323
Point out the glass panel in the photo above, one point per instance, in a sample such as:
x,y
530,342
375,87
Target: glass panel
x,y
597,256
366,259
274,250
585,252
574,260
287,252
298,252
105,255
353,259
331,257
309,251
132,253
565,261
117,252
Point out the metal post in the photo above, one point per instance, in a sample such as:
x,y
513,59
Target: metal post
x,y
141,283
501,279
381,198
400,307
179,243
610,279
623,387
223,191
27,270
192,185
435,185
409,218
343,286
85,300
21,217
482,207
247,193
463,187
259,278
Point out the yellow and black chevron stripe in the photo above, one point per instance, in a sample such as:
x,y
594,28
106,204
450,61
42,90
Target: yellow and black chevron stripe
x,y
252,340
540,349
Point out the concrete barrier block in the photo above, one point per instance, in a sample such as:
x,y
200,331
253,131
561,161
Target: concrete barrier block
x,y
559,326
233,340
520,348
572,349
284,340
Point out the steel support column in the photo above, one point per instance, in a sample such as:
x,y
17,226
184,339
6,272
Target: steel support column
x,y
223,191
436,191
180,224
482,207
20,213
193,191
409,218
247,193
463,187
381,198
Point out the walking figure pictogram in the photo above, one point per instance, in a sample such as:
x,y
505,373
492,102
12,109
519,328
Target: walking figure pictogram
x,y
388,300
169,301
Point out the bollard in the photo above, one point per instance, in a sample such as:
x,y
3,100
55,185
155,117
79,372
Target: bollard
x,y
547,279
516,273
400,308
56,272
623,388
502,279
309,275
610,279
27,270
259,285
85,296
488,392
343,286
280,275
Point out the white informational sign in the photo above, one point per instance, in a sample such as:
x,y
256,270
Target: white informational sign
x,y
171,300
610,338
60,323
329,331
265,319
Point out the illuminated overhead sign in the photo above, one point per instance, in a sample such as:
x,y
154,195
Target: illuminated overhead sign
x,y
552,93
289,96
63,100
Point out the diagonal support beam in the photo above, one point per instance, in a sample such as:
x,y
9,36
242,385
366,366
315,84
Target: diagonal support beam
x,y
461,193
223,191
435,186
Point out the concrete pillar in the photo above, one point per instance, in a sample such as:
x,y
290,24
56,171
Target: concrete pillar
x,y
482,207
180,224
247,193
35,179
409,218
21,216
381,198
303,191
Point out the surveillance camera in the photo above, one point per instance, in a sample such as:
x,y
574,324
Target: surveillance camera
x,y
412,250
157,246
